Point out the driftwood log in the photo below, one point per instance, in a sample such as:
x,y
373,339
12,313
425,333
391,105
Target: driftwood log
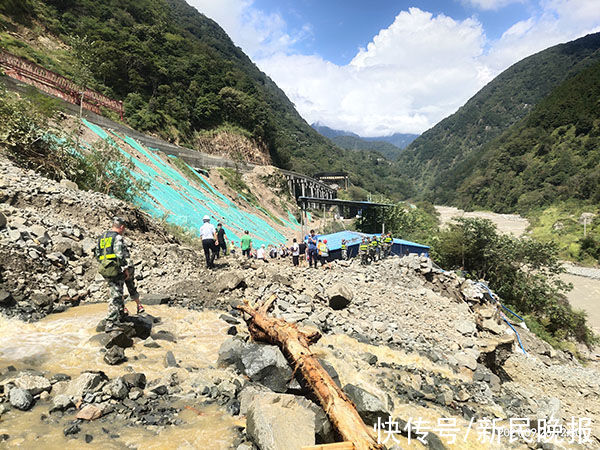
x,y
295,346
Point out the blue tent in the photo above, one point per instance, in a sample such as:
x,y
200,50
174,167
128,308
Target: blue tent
x,y
354,238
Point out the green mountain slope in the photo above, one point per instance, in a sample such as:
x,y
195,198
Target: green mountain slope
x,y
551,155
388,150
432,159
388,146
179,75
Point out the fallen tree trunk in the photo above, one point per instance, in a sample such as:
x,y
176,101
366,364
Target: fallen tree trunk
x,y
295,345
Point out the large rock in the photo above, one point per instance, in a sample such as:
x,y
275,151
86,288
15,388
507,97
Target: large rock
x,y
369,407
466,327
89,412
3,221
114,339
114,355
230,353
280,422
229,281
116,388
61,402
142,326
34,384
267,365
156,299
6,299
135,380
339,296
68,247
20,399
466,360
87,382
40,233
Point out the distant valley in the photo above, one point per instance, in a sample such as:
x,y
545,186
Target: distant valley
x,y
389,146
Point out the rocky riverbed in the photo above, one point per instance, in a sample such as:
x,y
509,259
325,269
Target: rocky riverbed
x,y
404,341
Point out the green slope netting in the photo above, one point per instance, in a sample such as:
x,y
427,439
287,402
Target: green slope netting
x,y
184,203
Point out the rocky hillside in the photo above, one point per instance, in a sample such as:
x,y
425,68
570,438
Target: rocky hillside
x,y
433,159
402,339
180,77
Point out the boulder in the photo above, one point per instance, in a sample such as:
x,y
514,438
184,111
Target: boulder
x,y
116,388
466,327
339,296
40,233
114,355
20,399
68,247
229,281
69,184
170,360
267,365
280,422
156,299
61,402
34,384
492,326
89,412
41,299
87,382
230,353
135,380
6,299
369,407
163,335
142,326
113,339
3,221
331,371
466,360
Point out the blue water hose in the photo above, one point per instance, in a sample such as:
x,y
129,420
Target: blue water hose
x,y
504,316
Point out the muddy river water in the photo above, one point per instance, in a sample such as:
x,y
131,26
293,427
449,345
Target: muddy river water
x,y
59,344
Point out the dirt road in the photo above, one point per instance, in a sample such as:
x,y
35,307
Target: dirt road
x,y
506,223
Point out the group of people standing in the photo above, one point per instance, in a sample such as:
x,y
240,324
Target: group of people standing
x,y
375,248
116,267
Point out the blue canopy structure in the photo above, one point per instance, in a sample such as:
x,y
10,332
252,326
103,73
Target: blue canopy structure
x,y
354,238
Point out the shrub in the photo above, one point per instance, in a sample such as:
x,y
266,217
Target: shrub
x,y
523,272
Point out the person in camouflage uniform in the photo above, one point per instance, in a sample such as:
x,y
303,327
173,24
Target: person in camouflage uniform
x,y
111,246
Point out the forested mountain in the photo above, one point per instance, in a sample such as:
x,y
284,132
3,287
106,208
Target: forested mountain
x,y
388,146
440,159
553,154
400,140
179,75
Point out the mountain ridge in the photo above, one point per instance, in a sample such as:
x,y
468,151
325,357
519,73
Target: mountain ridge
x,y
431,158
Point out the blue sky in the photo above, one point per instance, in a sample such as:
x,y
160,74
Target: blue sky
x,y
383,66
339,28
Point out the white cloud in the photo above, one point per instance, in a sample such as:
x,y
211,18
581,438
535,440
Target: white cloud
x,y
412,74
404,81
258,33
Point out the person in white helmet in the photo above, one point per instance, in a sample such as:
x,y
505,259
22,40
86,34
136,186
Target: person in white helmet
x,y
208,234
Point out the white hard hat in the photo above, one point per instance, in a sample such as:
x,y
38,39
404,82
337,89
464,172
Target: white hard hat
x,y
206,218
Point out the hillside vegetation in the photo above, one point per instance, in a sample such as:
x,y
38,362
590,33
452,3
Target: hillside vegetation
x,y
388,146
178,74
553,154
434,158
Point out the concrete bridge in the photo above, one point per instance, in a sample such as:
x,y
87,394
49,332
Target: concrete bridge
x,y
305,186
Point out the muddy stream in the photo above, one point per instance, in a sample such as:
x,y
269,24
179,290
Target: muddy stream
x,y
59,344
